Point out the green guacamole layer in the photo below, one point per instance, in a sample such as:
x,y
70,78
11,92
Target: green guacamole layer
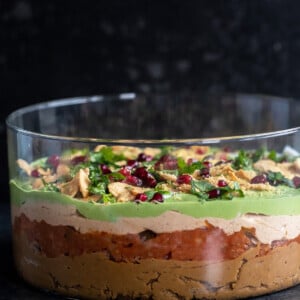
x,y
286,201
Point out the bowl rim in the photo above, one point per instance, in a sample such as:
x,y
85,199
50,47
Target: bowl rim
x,y
129,96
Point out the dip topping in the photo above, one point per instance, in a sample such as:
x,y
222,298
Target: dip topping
x,y
110,174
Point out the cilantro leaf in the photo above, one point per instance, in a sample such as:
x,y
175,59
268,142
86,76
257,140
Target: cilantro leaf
x,y
185,168
228,192
105,156
276,178
258,154
200,188
242,161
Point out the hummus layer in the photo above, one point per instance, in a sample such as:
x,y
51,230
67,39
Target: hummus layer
x,y
95,276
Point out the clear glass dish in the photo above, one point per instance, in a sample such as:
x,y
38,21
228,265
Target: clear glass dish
x,y
157,197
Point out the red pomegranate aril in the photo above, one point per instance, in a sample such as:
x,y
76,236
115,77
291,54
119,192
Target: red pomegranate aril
x,y
166,162
133,180
78,159
184,179
53,161
207,164
296,181
157,197
141,172
35,173
145,176
105,169
141,197
125,171
132,163
204,172
150,181
259,179
222,183
214,193
200,151
226,149
144,157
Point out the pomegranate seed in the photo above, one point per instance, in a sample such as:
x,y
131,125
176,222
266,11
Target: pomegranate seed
x,y
105,169
259,179
214,193
141,197
204,172
78,159
184,178
166,162
296,181
147,178
157,197
133,180
125,171
141,173
222,183
200,151
191,161
226,149
144,157
132,163
35,173
150,181
53,161
207,164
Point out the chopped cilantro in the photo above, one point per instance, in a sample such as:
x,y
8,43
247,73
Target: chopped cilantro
x,y
242,161
49,187
258,154
105,156
200,188
185,168
228,193
276,178
108,198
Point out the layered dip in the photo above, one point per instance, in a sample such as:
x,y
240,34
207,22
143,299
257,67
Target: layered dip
x,y
192,222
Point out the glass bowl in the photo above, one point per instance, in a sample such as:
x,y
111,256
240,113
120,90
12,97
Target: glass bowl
x,y
158,196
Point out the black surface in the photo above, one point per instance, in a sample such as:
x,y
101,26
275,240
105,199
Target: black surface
x,y
54,49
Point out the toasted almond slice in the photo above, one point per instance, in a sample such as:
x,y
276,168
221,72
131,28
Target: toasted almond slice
x,y
124,192
50,178
167,176
62,170
24,165
44,172
84,182
70,188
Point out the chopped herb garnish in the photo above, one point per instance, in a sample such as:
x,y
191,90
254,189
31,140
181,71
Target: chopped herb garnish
x,y
200,188
276,178
105,156
228,192
110,171
49,187
185,168
242,161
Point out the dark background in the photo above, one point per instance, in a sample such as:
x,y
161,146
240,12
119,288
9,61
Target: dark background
x,y
54,49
